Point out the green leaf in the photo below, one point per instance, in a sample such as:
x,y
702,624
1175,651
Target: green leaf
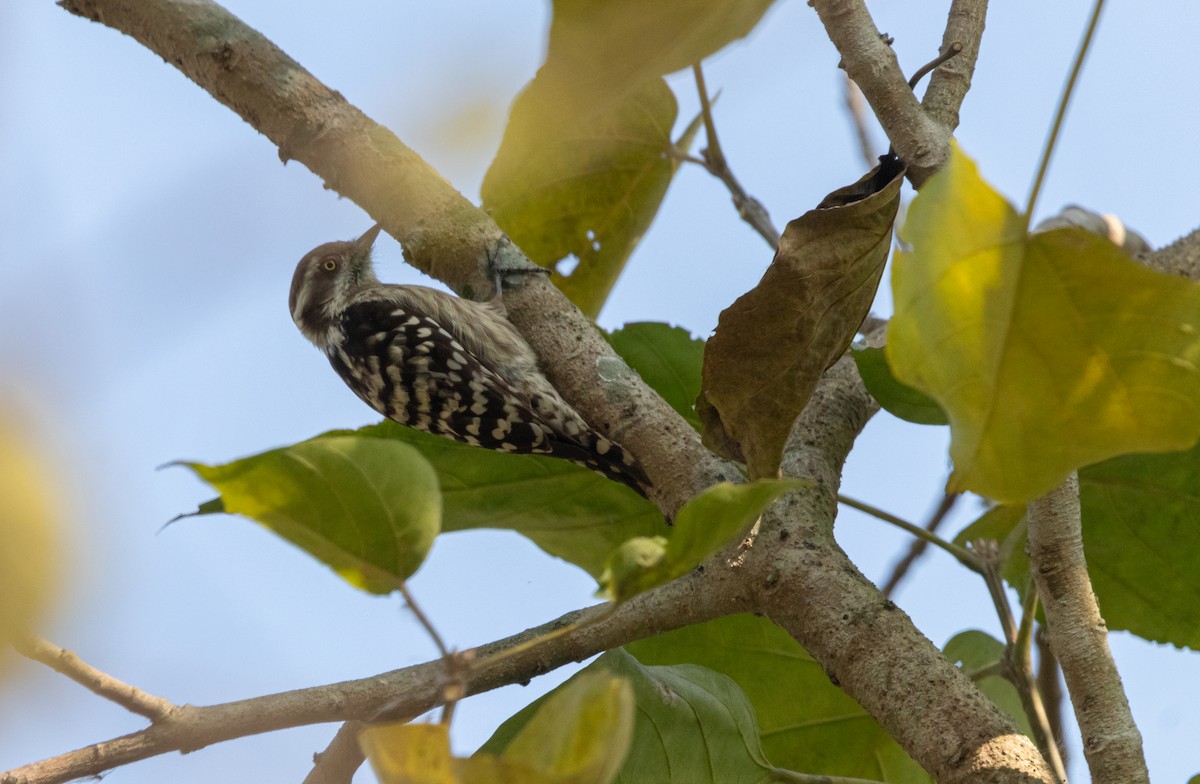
x,y
1048,351
600,50
704,525
581,732
568,511
1142,541
897,399
807,723
582,184
367,508
693,726
974,651
774,342
667,358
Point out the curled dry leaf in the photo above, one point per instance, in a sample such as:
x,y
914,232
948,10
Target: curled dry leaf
x,y
774,342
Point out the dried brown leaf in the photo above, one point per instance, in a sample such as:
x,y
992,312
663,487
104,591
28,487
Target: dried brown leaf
x,y
774,342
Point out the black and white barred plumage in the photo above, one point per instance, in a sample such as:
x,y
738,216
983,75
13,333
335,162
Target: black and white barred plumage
x,y
441,364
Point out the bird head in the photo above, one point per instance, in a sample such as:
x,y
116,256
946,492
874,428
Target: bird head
x,y
325,280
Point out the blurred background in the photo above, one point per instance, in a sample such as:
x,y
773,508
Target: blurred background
x,y
149,238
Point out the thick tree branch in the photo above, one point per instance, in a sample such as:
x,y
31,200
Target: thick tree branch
x,y
1079,639
921,138
405,693
813,590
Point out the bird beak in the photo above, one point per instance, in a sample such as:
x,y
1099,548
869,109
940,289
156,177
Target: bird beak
x,y
364,243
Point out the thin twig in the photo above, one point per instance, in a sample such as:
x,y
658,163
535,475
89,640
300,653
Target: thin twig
x,y
947,53
1019,660
1018,665
792,777
1050,688
67,663
987,551
423,619
919,547
713,160
455,669
857,107
964,556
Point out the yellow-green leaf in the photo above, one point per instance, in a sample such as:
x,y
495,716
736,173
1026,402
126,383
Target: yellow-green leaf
x,y
604,48
582,732
772,344
420,754
30,520
409,753
705,524
582,183
369,508
1048,351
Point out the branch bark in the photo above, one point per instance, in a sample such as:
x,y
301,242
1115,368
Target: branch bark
x,y
340,760
919,134
1079,638
798,576
1181,257
812,589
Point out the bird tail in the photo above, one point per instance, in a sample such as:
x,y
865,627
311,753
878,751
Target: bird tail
x,y
607,458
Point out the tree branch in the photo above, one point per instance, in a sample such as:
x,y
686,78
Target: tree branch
x,y
949,84
1079,638
340,760
812,589
67,663
921,138
714,161
406,693
1181,257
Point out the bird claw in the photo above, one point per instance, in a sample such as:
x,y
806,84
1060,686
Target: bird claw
x,y
504,247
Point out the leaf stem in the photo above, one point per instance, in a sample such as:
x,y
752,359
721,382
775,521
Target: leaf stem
x,y
1063,102
964,556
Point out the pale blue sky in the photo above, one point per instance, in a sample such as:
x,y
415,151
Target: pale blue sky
x,y
150,237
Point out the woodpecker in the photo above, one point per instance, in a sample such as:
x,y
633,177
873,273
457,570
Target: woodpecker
x,y
445,365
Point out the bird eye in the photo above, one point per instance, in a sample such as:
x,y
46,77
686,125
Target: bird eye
x,y
330,263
